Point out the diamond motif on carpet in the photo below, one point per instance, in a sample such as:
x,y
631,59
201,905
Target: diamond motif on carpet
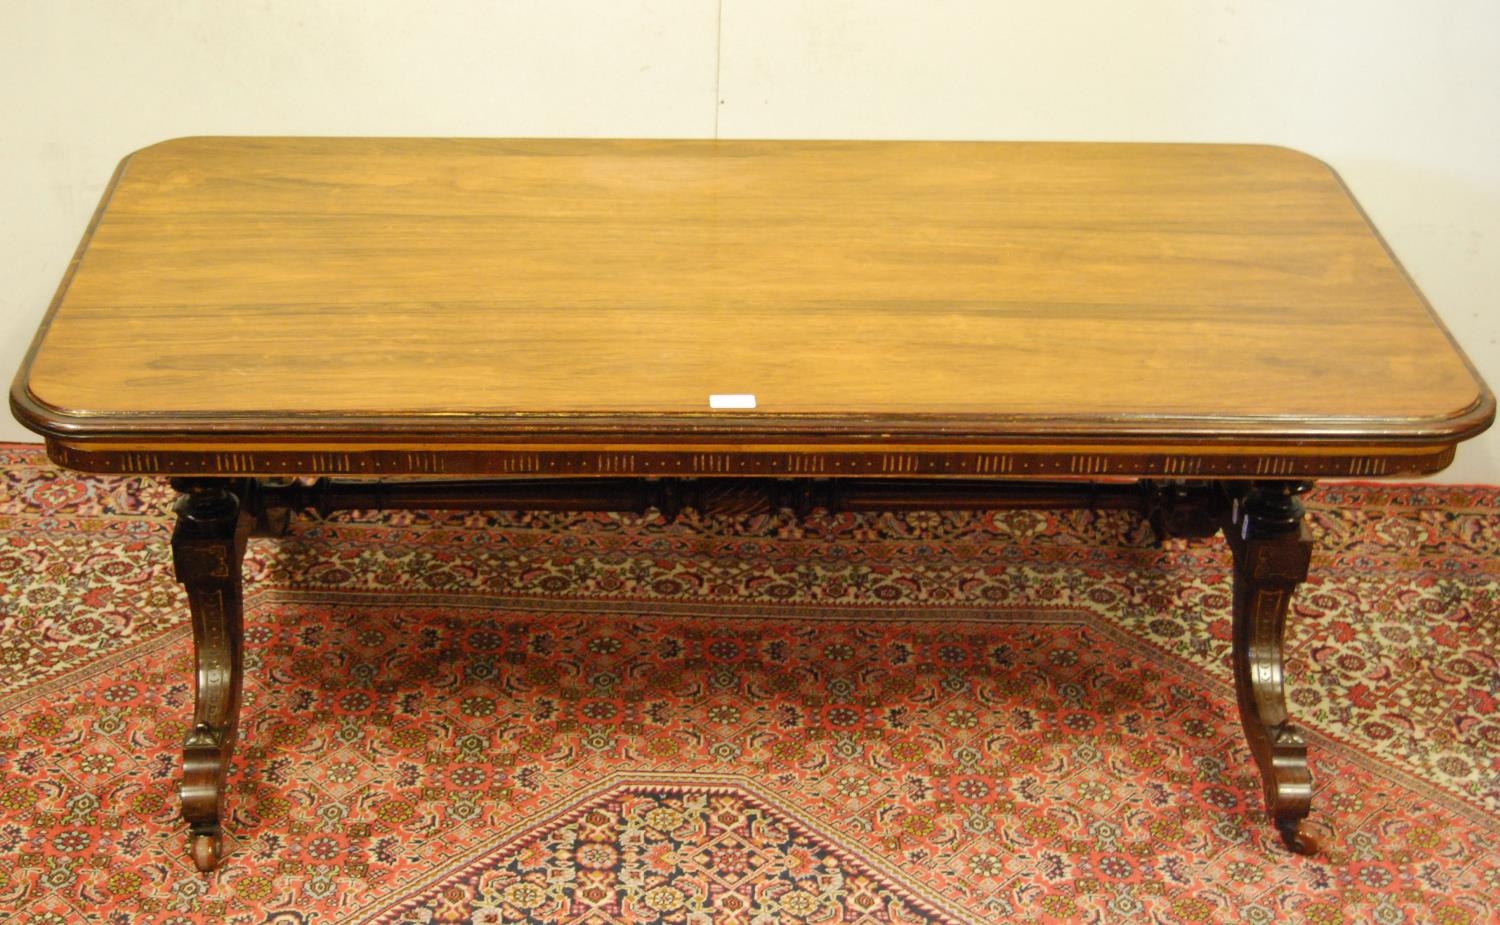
x,y
647,850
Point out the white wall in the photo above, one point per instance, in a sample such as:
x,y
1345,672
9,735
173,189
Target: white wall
x,y
1403,98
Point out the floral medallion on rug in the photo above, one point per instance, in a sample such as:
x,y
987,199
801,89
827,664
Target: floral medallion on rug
x,y
569,718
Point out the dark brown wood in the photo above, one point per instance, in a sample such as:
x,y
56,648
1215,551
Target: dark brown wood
x,y
714,497
1272,549
1026,455
1190,510
208,546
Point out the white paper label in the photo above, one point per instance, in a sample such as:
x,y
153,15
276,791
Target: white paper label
x,y
731,401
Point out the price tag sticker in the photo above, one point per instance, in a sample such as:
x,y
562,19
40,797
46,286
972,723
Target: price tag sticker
x,y
731,401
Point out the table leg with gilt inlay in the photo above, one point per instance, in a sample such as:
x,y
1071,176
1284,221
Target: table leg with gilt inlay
x,y
208,545
1272,549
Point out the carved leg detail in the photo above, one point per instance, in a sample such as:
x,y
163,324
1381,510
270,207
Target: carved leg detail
x,y
1187,510
1272,549
208,545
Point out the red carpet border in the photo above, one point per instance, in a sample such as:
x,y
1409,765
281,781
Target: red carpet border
x,y
854,719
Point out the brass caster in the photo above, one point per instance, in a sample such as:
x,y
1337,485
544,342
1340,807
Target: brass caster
x,y
206,850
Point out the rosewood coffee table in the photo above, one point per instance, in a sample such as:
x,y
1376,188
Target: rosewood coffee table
x,y
1195,331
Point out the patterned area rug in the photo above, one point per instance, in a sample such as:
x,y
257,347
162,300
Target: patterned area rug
x,y
855,719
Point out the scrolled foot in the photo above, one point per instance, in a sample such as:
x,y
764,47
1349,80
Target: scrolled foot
x,y
205,767
206,849
1296,841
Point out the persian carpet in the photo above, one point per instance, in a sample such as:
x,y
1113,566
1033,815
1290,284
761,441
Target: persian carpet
x,y
1017,717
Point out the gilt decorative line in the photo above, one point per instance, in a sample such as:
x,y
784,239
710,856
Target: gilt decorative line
x,y
993,465
1275,465
655,463
1182,465
1267,610
235,462
425,462
1088,465
522,463
711,462
214,672
616,463
806,465
898,463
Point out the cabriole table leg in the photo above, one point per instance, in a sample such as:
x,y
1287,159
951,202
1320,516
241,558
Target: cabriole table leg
x,y
1272,549
208,546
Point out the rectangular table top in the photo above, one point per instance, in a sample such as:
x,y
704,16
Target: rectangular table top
x,y
415,306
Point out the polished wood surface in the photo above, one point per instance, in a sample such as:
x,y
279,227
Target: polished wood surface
x,y
369,295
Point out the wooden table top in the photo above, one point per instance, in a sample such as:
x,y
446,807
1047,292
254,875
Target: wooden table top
x,y
411,306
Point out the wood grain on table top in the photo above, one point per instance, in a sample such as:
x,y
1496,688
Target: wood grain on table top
x,y
862,288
